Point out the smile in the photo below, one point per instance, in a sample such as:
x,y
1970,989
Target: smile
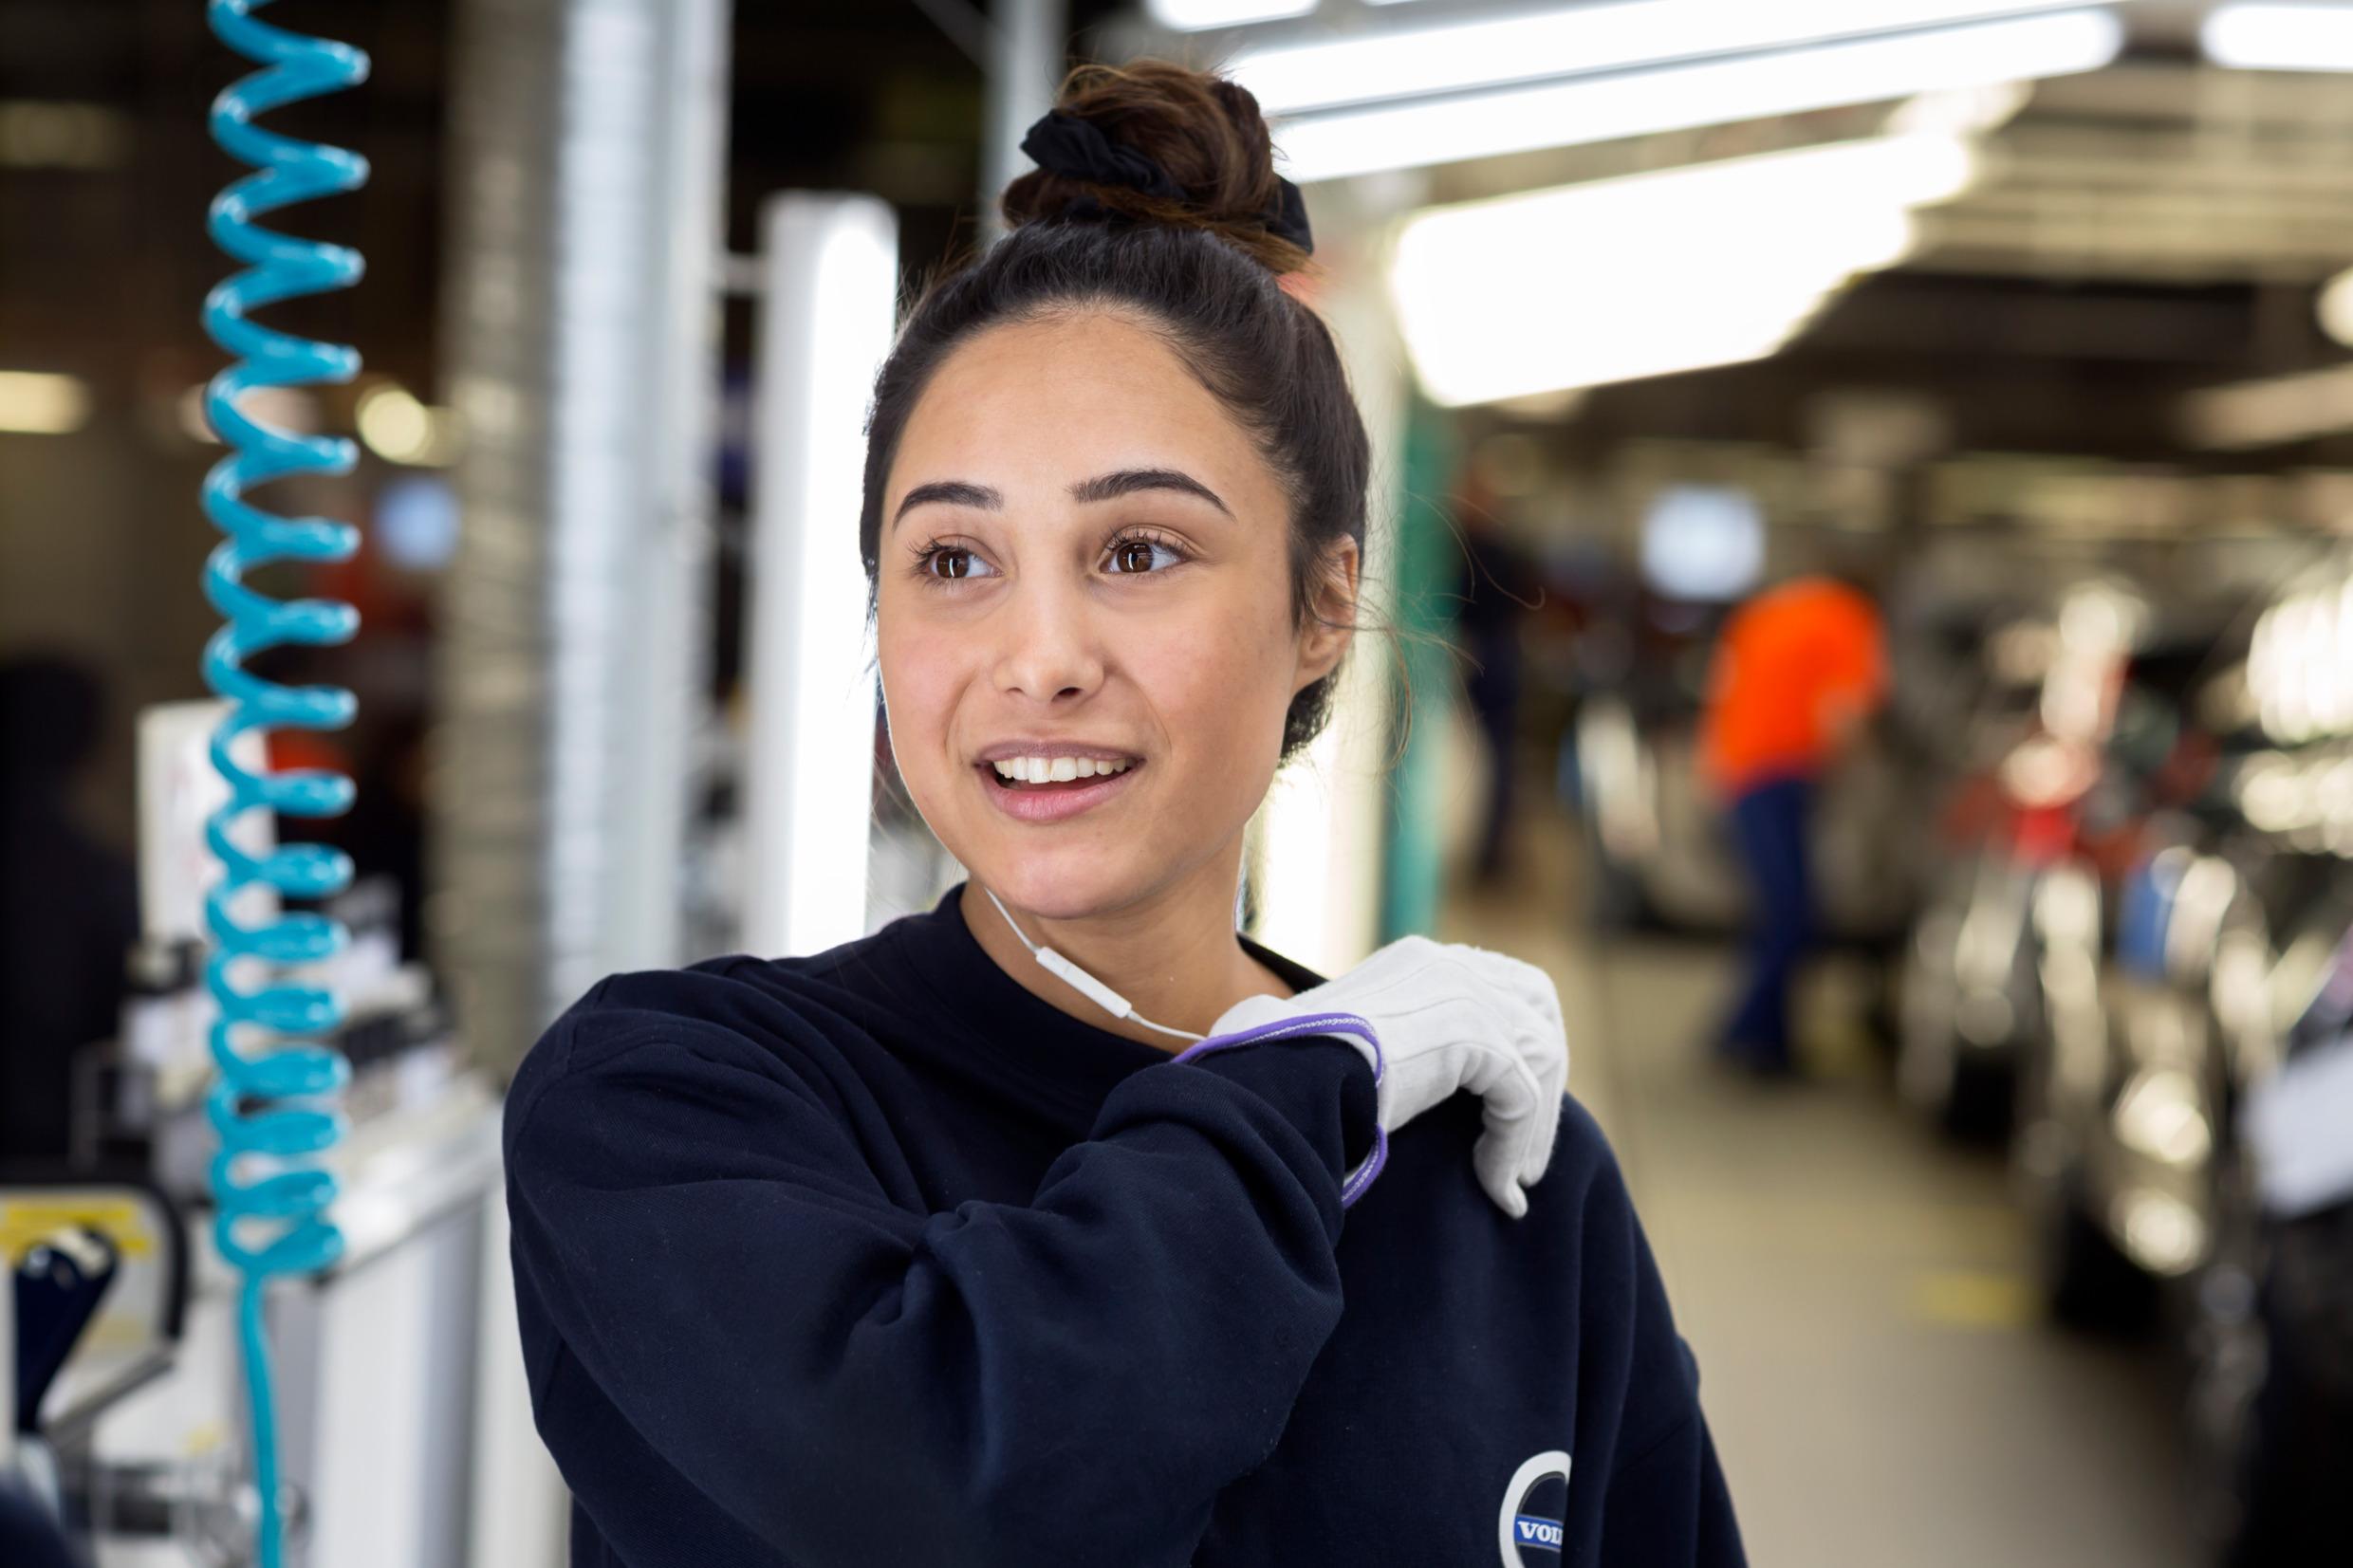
x,y
1056,769
1057,791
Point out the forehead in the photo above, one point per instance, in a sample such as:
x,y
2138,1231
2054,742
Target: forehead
x,y
1069,397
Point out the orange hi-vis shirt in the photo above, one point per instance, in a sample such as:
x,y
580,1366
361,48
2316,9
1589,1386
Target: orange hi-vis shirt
x,y
1791,663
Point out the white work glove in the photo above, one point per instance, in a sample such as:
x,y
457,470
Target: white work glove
x,y
1449,1016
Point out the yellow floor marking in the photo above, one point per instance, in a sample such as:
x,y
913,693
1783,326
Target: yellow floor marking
x,y
1973,1300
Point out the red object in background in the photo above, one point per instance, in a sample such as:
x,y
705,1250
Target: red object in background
x,y
2044,835
292,748
388,600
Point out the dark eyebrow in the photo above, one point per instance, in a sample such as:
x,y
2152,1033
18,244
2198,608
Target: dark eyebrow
x,y
1107,486
955,492
1110,486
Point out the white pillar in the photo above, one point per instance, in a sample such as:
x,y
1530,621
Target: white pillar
x,y
587,172
1026,47
830,267
1317,839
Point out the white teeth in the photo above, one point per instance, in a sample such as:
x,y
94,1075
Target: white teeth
x,y
1054,769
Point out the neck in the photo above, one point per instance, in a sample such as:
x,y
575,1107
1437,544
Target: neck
x,y
1174,955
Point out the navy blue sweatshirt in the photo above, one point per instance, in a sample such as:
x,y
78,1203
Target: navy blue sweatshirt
x,y
875,1258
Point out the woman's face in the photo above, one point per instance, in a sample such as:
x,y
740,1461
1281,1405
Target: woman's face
x,y
1081,551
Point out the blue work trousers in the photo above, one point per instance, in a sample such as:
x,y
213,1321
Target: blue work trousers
x,y
1770,820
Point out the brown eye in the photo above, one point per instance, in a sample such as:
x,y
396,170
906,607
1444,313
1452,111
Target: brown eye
x,y
1133,556
957,563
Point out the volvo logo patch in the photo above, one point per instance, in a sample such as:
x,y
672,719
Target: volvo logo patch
x,y
1535,1509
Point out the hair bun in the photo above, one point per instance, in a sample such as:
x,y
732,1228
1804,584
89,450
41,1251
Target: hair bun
x,y
1153,142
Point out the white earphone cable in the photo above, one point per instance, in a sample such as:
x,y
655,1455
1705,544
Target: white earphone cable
x,y
1109,999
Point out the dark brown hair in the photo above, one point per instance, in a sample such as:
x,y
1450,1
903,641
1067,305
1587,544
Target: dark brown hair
x,y
1201,272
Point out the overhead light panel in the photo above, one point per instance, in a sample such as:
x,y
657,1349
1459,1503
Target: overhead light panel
x,y
1585,109
2280,38
1650,274
1419,61
1193,15
36,403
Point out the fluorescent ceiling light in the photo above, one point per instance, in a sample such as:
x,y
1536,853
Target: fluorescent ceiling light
x,y
2281,38
1960,111
2335,308
34,403
1713,92
1653,273
1193,15
2270,412
1415,62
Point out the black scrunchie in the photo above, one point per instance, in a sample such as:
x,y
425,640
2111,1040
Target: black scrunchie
x,y
1076,149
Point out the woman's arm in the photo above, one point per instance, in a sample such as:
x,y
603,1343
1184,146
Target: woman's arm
x,y
1069,1380
1667,1502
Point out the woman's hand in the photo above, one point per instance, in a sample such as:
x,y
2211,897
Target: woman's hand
x,y
1451,1017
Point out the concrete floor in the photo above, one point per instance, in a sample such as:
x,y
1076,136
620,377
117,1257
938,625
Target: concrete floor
x,y
1883,1390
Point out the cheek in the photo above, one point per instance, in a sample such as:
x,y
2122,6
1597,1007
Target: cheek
x,y
920,676
1220,683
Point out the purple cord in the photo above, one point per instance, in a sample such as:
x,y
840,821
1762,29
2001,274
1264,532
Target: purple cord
x,y
1352,1187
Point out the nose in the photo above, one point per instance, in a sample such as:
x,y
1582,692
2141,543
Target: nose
x,y
1049,644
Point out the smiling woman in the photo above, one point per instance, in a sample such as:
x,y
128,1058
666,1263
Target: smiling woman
x,y
1114,505
934,1248
1091,556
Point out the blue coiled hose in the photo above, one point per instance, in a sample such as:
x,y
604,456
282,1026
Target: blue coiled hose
x,y
273,1103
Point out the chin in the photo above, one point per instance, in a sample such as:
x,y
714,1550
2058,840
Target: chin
x,y
1055,883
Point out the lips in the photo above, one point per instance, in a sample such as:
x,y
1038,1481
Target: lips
x,y
1054,801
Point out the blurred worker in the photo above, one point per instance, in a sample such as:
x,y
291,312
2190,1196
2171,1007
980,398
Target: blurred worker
x,y
1795,672
68,904
1498,588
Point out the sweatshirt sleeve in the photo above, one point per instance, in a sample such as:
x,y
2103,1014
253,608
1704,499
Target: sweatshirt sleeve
x,y
1068,1380
1671,1499
1666,1502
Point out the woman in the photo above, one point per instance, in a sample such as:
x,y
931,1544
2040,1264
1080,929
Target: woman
x,y
940,1248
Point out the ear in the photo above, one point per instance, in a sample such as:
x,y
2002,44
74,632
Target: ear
x,y
1324,638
